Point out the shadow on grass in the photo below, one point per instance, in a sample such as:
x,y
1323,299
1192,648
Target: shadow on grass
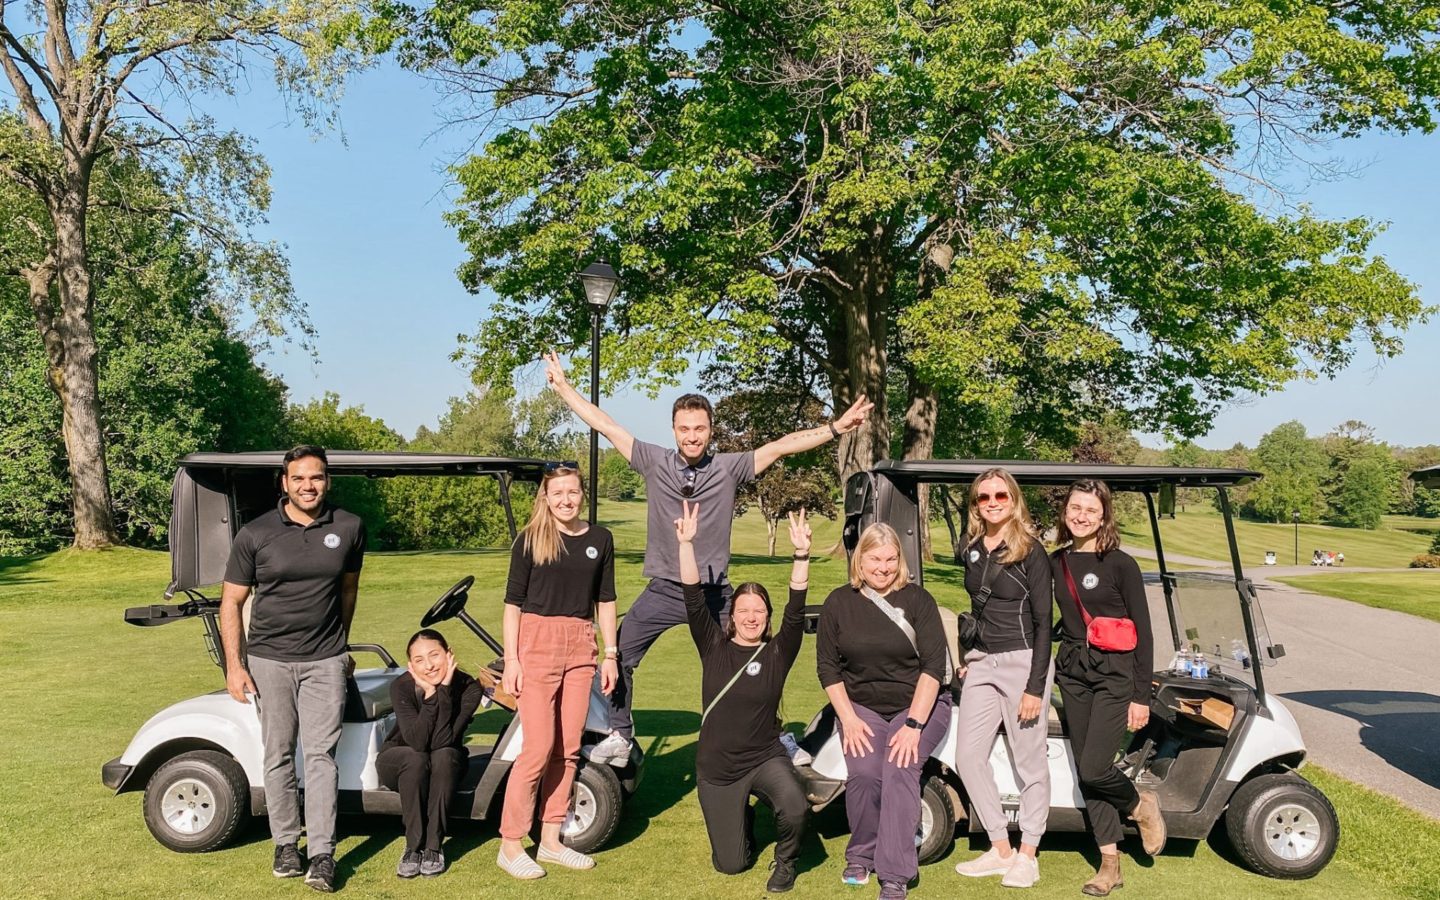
x,y
14,570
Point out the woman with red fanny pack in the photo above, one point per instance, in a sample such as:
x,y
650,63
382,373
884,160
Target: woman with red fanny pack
x,y
1104,668
562,582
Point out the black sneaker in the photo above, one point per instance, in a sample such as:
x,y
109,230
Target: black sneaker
x,y
432,863
409,864
287,861
321,876
782,876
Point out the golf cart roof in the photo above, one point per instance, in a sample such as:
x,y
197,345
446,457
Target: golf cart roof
x,y
1427,478
1118,477
376,464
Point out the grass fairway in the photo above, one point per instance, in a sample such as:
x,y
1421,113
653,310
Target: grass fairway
x,y
78,683
1414,591
1199,531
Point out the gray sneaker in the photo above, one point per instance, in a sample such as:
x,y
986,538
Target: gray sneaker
x,y
409,864
893,890
615,748
432,863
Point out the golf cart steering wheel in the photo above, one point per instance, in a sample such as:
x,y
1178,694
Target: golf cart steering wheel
x,y
450,604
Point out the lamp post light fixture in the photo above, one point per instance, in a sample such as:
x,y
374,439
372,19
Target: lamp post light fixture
x,y
1295,517
601,285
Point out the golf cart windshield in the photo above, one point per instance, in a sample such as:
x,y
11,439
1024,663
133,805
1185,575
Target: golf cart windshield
x,y
216,493
1215,612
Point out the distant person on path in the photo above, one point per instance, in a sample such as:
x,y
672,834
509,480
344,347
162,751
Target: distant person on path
x,y
302,561
1008,675
424,757
690,472
743,677
881,656
561,585
1104,674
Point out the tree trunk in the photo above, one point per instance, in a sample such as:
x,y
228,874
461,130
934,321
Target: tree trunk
x,y
944,491
921,413
864,314
69,340
770,529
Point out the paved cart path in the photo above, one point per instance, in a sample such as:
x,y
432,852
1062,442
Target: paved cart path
x,y
1363,683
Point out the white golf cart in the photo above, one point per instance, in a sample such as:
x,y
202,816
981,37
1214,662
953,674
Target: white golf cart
x,y
1219,746
199,761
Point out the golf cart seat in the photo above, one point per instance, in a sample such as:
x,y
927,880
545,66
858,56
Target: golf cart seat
x,y
950,621
367,697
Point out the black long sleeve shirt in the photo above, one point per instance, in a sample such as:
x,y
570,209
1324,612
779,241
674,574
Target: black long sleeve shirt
x,y
742,731
859,646
437,721
1109,585
1018,616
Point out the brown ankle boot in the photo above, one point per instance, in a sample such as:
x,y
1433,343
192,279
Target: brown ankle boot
x,y
1107,879
1151,823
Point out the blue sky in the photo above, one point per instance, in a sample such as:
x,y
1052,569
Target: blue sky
x,y
374,261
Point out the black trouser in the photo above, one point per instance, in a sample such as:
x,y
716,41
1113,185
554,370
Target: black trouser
x,y
730,820
1096,688
425,783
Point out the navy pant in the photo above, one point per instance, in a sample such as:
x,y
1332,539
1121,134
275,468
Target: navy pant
x,y
882,800
660,607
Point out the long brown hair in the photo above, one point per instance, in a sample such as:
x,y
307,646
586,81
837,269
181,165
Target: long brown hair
x,y
1107,536
1017,532
541,534
757,589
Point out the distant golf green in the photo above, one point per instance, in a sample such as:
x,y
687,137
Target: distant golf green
x,y
1414,591
77,682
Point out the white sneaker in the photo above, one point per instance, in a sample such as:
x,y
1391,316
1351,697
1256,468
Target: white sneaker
x,y
615,748
797,754
987,863
1024,872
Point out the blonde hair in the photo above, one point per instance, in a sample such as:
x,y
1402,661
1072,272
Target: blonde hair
x,y
878,535
541,535
1016,532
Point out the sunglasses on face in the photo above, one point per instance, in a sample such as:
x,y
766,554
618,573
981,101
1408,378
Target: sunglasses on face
x,y
556,466
687,490
999,496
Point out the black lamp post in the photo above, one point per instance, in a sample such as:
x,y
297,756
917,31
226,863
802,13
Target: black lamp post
x,y
1295,517
601,285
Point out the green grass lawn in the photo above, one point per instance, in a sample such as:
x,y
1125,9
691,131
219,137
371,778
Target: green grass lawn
x,y
1200,531
77,682
1412,523
1414,591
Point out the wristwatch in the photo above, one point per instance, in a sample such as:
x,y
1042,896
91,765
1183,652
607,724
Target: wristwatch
x,y
912,723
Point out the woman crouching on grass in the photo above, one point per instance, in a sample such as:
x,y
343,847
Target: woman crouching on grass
x,y
562,582
743,675
424,757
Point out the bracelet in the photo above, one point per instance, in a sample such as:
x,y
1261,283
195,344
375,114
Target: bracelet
x,y
612,652
799,557
833,433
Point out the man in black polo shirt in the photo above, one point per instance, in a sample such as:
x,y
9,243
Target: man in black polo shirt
x,y
302,561
690,472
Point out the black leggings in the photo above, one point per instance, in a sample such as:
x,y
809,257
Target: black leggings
x,y
1096,688
425,783
729,817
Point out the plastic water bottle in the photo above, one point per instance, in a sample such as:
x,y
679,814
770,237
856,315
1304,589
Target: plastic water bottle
x,y
1200,668
1239,653
1183,662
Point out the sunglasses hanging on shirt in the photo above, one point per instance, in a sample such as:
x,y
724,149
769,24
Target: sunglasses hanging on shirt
x,y
687,489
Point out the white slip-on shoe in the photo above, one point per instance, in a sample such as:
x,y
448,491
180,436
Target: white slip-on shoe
x,y
522,866
986,864
568,857
1024,872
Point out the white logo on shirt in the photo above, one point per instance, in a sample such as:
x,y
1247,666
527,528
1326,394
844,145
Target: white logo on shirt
x,y
753,669
332,541
974,555
1090,580
592,552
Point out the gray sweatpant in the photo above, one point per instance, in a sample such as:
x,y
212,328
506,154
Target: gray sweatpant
x,y
989,701
304,700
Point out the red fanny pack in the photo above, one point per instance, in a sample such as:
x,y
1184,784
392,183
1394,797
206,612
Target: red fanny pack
x,y
1104,632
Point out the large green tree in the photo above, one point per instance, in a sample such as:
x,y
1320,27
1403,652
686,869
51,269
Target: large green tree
x,y
93,79
1295,468
1033,211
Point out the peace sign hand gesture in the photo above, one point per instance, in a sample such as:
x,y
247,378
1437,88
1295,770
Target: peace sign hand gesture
x,y
799,531
688,523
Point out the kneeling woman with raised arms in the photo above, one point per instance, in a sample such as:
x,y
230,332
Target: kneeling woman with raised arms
x,y
743,676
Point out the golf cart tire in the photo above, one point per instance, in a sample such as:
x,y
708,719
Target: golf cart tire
x,y
217,787
598,786
1261,811
935,802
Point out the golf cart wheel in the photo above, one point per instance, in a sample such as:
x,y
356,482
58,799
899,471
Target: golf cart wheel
x,y
197,802
1282,826
936,833
594,808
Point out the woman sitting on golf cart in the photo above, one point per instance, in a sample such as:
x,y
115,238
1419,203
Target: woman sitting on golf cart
x,y
881,656
1104,668
1008,674
743,675
424,757
562,582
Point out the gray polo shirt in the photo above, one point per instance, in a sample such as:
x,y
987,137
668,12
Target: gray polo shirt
x,y
716,479
296,572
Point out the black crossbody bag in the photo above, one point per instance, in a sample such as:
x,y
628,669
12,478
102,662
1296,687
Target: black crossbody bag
x,y
969,626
